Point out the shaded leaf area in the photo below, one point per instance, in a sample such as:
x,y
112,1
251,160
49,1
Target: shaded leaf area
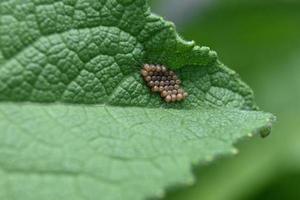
x,y
129,144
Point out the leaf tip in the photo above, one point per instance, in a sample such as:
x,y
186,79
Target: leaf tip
x,y
264,131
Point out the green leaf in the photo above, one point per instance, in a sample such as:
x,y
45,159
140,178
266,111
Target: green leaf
x,y
89,152
127,143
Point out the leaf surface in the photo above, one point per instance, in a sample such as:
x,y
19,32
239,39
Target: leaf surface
x,y
100,132
87,152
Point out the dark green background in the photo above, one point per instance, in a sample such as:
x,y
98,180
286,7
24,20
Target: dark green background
x,y
261,41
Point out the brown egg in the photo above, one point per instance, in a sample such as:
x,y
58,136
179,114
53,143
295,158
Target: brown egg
x,y
144,72
155,89
148,78
151,83
161,88
160,79
164,93
158,68
180,90
168,98
147,67
179,97
173,97
152,68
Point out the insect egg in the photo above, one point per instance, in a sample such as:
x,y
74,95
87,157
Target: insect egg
x,y
155,89
144,72
180,90
151,67
179,97
148,78
147,67
168,98
158,68
161,88
164,93
173,97
164,81
151,83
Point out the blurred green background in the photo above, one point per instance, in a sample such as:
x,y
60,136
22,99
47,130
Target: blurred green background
x,y
261,41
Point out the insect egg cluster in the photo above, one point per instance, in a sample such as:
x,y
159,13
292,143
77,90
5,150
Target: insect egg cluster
x,y
165,81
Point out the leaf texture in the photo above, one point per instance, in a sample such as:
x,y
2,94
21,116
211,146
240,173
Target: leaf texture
x,y
100,133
